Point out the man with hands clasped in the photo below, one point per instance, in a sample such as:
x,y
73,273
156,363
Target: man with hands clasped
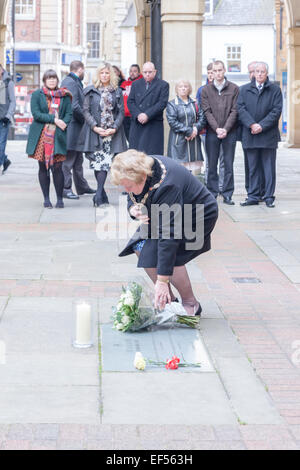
x,y
259,108
218,101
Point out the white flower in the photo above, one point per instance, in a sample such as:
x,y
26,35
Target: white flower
x,y
125,320
119,326
119,305
139,362
129,300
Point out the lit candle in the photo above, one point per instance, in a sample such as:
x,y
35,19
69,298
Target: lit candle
x,y
83,323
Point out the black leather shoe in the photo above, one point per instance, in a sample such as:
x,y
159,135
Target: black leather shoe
x,y
6,165
68,194
248,202
60,204
229,201
88,191
199,311
270,204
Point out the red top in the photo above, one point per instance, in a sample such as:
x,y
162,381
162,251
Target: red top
x,y
126,87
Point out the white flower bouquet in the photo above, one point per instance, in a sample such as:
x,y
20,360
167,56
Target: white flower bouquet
x,y
135,310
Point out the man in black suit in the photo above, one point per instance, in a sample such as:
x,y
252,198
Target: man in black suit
x,y
74,161
259,108
146,102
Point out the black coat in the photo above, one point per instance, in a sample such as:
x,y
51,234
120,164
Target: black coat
x,y
182,117
148,137
179,187
73,84
89,141
264,109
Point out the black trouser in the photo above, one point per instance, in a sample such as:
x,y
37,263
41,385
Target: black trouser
x,y
74,161
213,145
126,124
262,161
262,177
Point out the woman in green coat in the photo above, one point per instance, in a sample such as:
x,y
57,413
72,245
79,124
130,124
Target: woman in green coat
x,y
47,140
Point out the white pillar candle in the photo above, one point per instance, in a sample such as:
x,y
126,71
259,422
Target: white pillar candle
x,y
83,323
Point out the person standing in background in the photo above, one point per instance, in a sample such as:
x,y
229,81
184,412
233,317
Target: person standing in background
x,y
7,109
134,74
74,161
147,101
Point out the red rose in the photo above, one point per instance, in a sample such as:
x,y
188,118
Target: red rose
x,y
175,358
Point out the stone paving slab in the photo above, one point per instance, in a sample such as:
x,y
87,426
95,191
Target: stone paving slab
x,y
3,302
283,250
198,399
49,404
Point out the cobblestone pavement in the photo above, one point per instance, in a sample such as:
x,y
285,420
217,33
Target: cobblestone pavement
x,y
251,274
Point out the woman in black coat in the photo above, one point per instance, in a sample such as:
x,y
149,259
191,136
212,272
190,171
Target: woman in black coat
x,y
186,119
102,135
164,244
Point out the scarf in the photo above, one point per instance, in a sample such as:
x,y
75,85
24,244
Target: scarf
x,y
49,134
106,107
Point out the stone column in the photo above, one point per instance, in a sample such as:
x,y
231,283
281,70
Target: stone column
x,y
294,87
182,41
2,44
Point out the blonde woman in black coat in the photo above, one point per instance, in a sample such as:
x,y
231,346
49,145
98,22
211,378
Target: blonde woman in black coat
x,y
186,119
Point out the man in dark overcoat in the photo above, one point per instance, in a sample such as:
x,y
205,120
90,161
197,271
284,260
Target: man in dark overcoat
x,y
74,161
146,102
259,108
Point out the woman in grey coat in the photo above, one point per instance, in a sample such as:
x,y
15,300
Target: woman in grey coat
x,y
186,120
102,135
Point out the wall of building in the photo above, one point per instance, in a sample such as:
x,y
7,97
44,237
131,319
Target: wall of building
x,y
257,43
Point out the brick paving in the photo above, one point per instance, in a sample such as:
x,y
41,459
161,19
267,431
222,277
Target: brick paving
x,y
264,316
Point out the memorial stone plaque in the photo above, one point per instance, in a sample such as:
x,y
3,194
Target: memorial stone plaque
x,y
157,343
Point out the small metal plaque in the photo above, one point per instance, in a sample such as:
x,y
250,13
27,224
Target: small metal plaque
x,y
246,280
118,349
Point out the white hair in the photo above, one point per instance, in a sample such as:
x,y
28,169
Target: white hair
x,y
264,64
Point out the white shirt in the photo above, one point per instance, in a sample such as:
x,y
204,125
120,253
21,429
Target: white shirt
x,y
219,87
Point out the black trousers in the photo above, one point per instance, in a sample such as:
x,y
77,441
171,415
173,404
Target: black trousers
x,y
262,161
126,124
213,146
261,175
73,164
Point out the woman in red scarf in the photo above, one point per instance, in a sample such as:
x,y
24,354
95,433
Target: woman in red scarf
x,y
47,140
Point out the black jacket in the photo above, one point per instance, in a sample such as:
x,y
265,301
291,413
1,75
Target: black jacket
x,y
182,188
148,137
89,141
73,84
264,109
182,117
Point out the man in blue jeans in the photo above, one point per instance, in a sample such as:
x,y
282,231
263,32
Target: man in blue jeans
x,y
7,109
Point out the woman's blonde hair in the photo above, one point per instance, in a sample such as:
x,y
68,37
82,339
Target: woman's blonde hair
x,y
113,77
131,165
186,82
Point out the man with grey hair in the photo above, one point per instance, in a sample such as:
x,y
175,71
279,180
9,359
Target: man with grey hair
x,y
259,108
7,109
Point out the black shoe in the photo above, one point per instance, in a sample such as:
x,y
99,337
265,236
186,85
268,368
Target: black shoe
x,y
248,202
228,200
68,194
199,311
48,205
270,204
99,202
60,204
6,165
87,191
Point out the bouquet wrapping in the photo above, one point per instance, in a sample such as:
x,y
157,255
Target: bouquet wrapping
x,y
135,310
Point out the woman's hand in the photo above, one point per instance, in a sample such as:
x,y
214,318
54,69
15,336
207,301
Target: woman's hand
x,y
100,131
162,295
136,212
111,131
193,134
60,123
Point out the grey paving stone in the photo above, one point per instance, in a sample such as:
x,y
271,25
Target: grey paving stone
x,y
228,433
51,404
166,400
46,432
3,303
20,432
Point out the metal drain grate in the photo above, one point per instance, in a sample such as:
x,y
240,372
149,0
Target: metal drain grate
x,y
246,280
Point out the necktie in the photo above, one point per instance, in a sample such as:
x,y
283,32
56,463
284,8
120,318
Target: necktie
x,y
147,85
260,88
